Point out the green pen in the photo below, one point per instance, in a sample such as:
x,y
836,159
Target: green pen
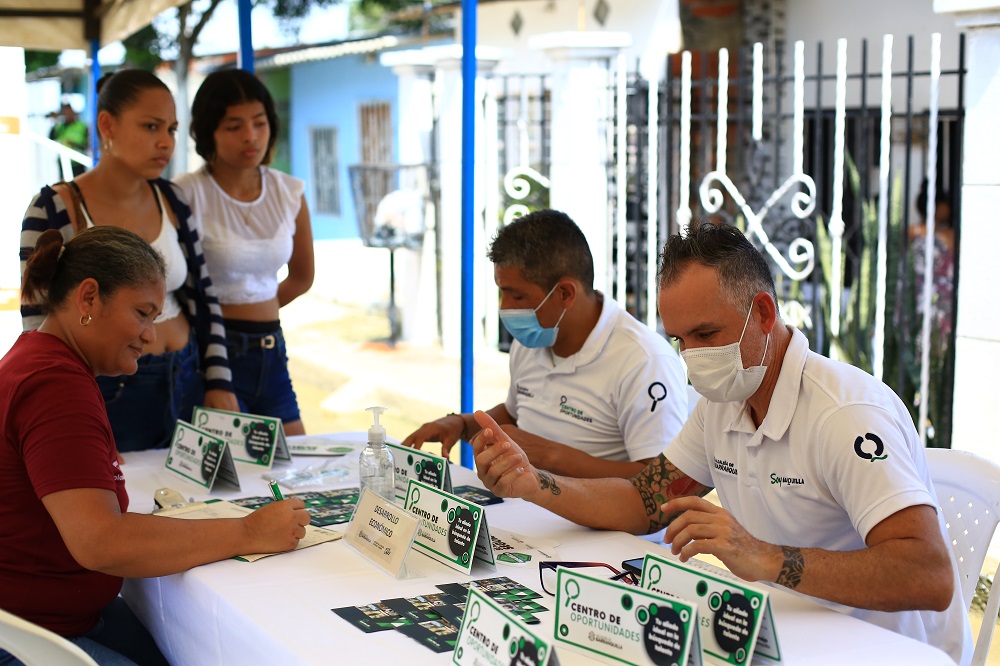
x,y
275,490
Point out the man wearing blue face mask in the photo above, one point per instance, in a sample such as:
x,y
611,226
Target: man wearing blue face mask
x,y
593,392
821,476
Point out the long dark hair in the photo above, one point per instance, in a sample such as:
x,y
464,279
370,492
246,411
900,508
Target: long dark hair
x,y
219,91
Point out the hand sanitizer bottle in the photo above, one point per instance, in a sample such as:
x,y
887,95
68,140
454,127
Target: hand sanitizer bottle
x,y
375,465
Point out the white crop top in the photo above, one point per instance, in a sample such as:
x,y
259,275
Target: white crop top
x,y
169,246
245,243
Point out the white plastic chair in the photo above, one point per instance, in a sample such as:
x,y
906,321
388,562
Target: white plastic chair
x,y
36,646
968,490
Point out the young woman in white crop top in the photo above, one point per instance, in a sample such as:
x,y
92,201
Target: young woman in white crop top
x,y
185,366
254,220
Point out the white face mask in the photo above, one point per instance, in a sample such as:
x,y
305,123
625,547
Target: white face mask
x,y
718,373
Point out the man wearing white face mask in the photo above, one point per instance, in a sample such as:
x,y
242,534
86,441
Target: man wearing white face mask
x,y
593,392
821,475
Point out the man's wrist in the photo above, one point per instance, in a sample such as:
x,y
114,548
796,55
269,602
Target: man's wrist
x,y
465,426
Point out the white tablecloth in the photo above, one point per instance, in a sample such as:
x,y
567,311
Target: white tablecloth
x,y
277,610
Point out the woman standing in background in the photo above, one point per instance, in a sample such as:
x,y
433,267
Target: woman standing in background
x,y
254,220
186,365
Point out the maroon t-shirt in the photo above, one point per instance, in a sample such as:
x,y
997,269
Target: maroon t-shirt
x,y
54,435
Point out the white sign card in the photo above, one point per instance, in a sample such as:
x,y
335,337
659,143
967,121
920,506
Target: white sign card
x,y
490,636
452,530
517,550
259,440
735,618
382,532
624,622
420,465
201,457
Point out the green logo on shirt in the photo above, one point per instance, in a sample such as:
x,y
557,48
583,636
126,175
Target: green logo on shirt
x,y
572,411
862,451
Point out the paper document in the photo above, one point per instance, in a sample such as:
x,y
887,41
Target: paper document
x,y
223,509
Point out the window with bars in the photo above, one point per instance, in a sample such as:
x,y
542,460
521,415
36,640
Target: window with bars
x,y
375,119
325,169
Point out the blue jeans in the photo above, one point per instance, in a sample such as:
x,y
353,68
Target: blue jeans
x,y
260,374
118,639
143,408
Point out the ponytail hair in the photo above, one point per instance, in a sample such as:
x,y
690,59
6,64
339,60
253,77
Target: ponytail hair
x,y
112,256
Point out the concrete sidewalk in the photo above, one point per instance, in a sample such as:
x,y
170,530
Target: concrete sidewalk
x,y
340,364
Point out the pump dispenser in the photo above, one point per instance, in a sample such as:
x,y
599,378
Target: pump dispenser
x,y
375,465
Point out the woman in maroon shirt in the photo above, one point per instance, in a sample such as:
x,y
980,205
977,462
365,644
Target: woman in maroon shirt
x,y
66,538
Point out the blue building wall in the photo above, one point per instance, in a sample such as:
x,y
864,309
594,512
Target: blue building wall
x,y
328,93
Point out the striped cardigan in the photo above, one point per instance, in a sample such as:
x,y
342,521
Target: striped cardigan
x,y
197,297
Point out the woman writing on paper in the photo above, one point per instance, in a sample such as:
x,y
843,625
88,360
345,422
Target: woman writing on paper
x,y
66,539
254,220
186,366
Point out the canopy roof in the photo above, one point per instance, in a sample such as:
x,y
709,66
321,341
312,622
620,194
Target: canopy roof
x,y
56,25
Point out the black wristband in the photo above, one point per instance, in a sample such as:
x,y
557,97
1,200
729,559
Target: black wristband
x,y
465,426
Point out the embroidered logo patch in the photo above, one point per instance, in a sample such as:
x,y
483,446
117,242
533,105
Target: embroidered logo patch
x,y
779,480
657,391
568,410
870,452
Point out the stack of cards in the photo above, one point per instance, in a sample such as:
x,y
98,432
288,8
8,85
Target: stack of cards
x,y
327,507
433,619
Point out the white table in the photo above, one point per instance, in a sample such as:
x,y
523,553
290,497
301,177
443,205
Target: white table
x,y
277,610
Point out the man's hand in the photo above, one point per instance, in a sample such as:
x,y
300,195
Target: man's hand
x,y
219,399
502,465
447,430
277,527
703,527
541,452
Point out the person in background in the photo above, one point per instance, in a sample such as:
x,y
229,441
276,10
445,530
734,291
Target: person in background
x,y
186,366
942,274
66,536
822,479
254,220
593,392
71,132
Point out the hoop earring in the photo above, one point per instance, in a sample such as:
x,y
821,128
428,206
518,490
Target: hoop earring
x,y
85,319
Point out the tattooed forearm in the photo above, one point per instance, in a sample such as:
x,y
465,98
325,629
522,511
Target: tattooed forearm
x,y
548,482
791,570
659,483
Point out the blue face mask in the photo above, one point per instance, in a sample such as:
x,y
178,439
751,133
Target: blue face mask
x,y
523,325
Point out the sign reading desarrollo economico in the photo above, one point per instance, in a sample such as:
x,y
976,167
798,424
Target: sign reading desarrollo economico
x,y
490,636
452,530
420,465
382,532
259,440
201,457
735,618
625,623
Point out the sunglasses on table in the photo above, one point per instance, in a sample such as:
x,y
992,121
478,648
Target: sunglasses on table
x,y
547,573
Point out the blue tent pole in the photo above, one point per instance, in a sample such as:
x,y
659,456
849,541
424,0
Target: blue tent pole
x,y
468,200
246,60
95,76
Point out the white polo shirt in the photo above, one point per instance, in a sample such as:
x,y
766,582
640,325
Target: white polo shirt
x,y
835,455
621,397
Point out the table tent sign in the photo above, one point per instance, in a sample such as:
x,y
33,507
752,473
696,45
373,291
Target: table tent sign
x,y
258,440
452,530
625,623
491,636
382,532
736,620
201,457
420,465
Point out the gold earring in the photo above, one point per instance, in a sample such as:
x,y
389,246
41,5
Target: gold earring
x,y
85,319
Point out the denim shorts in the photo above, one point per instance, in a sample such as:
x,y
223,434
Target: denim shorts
x,y
260,374
143,408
